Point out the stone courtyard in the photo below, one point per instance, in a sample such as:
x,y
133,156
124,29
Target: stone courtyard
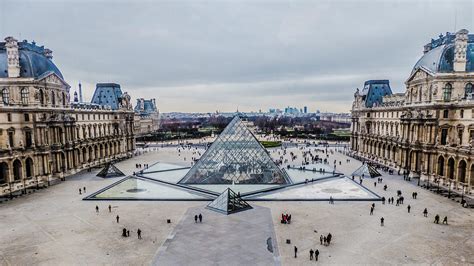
x,y
55,226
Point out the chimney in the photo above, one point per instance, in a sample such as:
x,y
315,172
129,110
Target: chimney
x,y
80,93
13,57
460,47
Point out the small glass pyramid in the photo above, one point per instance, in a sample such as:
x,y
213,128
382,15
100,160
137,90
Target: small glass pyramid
x,y
366,170
110,171
229,202
236,157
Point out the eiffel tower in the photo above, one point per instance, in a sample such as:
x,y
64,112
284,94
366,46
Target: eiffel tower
x,y
236,157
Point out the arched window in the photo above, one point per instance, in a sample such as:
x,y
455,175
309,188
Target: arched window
x,y
64,99
41,97
468,91
6,96
24,95
448,88
53,98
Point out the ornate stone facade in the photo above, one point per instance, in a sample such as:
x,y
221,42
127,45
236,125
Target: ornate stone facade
x,y
43,137
429,129
147,117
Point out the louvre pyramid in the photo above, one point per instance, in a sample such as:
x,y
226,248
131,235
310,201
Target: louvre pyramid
x,y
236,157
228,202
366,171
110,171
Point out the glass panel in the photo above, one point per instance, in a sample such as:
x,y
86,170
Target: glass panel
x,y
236,157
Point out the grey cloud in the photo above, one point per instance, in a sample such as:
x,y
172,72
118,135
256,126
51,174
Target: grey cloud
x,y
203,56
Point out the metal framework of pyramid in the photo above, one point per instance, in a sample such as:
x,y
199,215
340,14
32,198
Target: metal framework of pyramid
x,y
229,202
236,157
110,171
366,171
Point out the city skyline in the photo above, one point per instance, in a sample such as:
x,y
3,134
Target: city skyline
x,y
195,57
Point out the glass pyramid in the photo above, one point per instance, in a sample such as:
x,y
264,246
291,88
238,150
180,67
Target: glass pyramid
x,y
236,157
229,202
110,171
366,171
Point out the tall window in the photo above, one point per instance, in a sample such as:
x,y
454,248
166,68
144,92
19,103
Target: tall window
x,y
444,136
468,91
460,131
10,139
445,113
448,88
6,96
24,95
28,139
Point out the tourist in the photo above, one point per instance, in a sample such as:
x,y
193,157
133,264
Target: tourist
x,y
392,200
139,233
398,202
425,213
80,191
325,240
371,210
416,195
375,184
329,237
385,187
311,252
96,208
200,218
381,221
128,233
445,220
124,232
118,218
408,207
321,239
436,220
316,254
84,189
383,200
296,251
110,208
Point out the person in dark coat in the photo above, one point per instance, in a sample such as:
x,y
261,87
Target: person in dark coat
x,y
117,218
296,251
139,233
200,218
195,218
316,254
311,252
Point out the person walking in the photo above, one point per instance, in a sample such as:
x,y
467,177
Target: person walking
x,y
118,218
96,209
311,252
445,220
425,212
408,207
195,218
128,233
321,239
200,218
371,210
436,220
139,233
84,190
383,200
316,254
296,251
381,221
110,208
80,191
329,238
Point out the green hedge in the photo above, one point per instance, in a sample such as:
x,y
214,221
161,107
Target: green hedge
x,y
271,144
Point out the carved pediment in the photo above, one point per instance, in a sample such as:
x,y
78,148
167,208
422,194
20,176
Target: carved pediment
x,y
53,78
420,73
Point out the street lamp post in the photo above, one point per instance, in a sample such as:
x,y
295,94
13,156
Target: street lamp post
x,y
462,193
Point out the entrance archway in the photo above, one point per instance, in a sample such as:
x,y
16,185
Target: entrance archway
x,y
17,170
29,167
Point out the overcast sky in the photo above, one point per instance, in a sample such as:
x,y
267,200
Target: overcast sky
x,y
203,56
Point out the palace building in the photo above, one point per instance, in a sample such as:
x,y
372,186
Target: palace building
x,y
428,130
43,136
146,117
